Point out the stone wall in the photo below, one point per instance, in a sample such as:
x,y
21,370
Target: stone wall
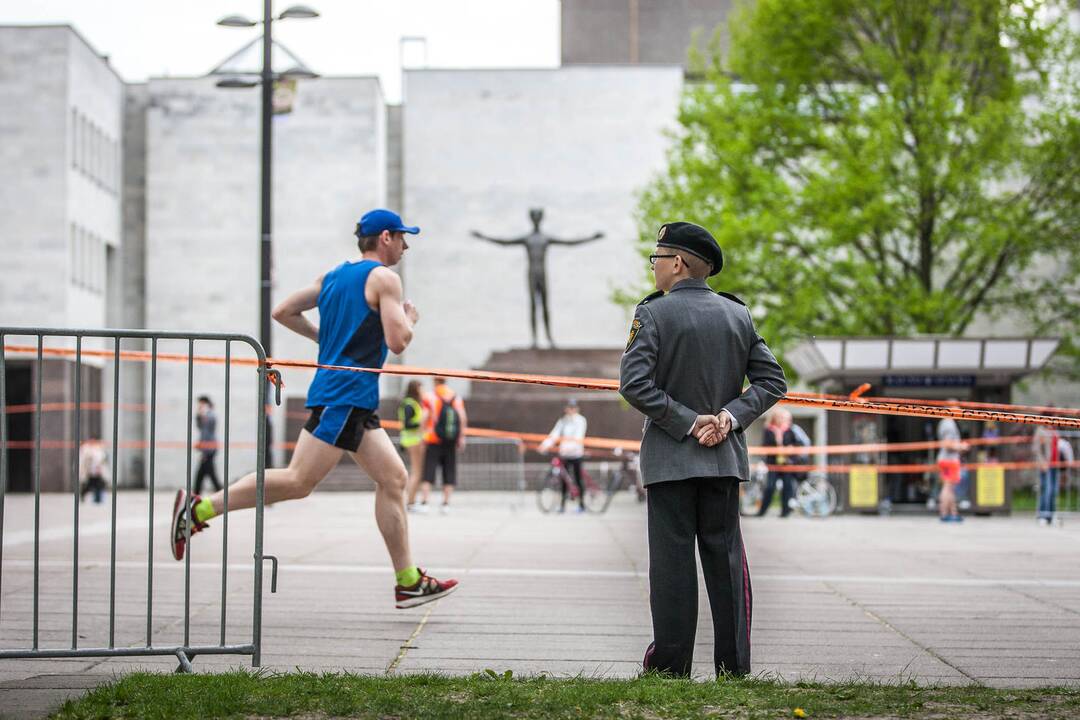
x,y
637,31
482,147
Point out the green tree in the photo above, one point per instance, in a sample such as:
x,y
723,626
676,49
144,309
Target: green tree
x,y
880,167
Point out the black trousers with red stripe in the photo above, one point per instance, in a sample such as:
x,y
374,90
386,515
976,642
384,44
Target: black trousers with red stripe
x,y
702,512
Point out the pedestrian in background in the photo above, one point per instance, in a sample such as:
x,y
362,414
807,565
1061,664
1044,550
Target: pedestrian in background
x,y
1044,446
93,467
948,462
206,422
411,416
445,437
778,433
1065,472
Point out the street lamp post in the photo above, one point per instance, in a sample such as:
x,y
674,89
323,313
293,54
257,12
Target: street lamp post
x,y
266,83
265,177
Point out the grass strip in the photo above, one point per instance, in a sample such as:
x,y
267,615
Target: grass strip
x,y
250,694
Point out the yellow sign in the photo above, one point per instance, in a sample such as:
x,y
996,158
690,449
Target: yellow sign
x,y
990,486
863,486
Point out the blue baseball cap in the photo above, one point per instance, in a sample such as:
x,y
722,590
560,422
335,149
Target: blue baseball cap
x,y
375,221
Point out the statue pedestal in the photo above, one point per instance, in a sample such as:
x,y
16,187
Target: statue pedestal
x,y
535,408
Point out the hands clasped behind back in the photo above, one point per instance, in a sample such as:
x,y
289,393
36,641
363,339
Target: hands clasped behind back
x,y
711,430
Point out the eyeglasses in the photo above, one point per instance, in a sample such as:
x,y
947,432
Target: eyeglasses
x,y
654,258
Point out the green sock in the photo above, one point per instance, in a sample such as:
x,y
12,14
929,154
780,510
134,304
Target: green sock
x,y
408,577
204,510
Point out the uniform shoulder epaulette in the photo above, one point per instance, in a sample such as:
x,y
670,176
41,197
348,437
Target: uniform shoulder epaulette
x,y
729,296
652,296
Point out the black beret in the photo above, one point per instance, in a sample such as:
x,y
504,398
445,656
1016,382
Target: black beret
x,y
695,240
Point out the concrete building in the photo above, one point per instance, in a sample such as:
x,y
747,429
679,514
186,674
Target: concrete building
x,y
60,213
638,31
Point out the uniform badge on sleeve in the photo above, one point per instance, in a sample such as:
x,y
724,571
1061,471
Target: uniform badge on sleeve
x,y
634,327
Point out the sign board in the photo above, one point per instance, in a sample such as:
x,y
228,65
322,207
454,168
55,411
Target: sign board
x,y
990,486
284,96
863,486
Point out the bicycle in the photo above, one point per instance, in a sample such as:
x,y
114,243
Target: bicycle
x,y
627,473
815,496
555,477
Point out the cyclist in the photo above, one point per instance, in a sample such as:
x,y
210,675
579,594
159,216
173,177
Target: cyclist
x,y
569,432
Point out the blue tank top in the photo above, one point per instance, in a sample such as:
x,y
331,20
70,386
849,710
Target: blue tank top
x,y
351,334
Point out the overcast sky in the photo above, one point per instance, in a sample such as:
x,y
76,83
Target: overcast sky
x,y
145,38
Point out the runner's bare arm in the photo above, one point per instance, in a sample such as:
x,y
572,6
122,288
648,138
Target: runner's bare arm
x,y
398,318
290,311
460,404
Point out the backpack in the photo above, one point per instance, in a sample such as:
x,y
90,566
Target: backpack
x,y
448,423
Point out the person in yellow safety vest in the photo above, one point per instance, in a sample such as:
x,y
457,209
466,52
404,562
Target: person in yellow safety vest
x,y
411,416
444,436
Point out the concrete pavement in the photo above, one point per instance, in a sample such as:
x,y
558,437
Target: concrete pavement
x,y
992,601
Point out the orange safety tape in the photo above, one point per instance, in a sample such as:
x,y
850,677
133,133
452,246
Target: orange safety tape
x,y
617,443
533,445
916,409
857,392
969,404
916,468
882,447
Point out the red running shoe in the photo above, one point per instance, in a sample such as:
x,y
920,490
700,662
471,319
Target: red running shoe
x,y
182,516
425,590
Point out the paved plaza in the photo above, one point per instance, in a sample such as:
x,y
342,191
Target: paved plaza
x,y
991,601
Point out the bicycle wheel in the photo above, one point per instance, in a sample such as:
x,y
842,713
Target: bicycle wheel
x,y
816,497
614,484
830,499
549,490
596,500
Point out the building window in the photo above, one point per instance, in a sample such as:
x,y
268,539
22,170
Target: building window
x,y
72,249
74,138
94,153
83,143
99,265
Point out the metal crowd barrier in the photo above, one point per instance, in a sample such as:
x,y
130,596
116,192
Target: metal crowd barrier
x,y
184,651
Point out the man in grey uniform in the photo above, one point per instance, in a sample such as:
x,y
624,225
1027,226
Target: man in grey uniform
x,y
689,351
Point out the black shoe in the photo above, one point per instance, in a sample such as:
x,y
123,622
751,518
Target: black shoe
x,y
646,662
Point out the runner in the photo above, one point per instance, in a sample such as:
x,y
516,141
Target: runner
x,y
361,317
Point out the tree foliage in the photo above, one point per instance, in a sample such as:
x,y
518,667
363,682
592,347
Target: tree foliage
x,y
886,167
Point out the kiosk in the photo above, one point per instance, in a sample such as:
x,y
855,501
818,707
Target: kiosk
x,y
932,368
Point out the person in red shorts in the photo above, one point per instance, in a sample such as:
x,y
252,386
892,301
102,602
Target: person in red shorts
x,y
948,462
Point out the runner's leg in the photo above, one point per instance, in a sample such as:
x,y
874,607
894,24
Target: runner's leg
x,y
416,469
312,460
380,460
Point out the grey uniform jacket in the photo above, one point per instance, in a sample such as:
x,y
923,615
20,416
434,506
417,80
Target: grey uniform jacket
x,y
688,354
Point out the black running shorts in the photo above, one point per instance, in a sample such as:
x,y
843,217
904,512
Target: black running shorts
x,y
342,426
